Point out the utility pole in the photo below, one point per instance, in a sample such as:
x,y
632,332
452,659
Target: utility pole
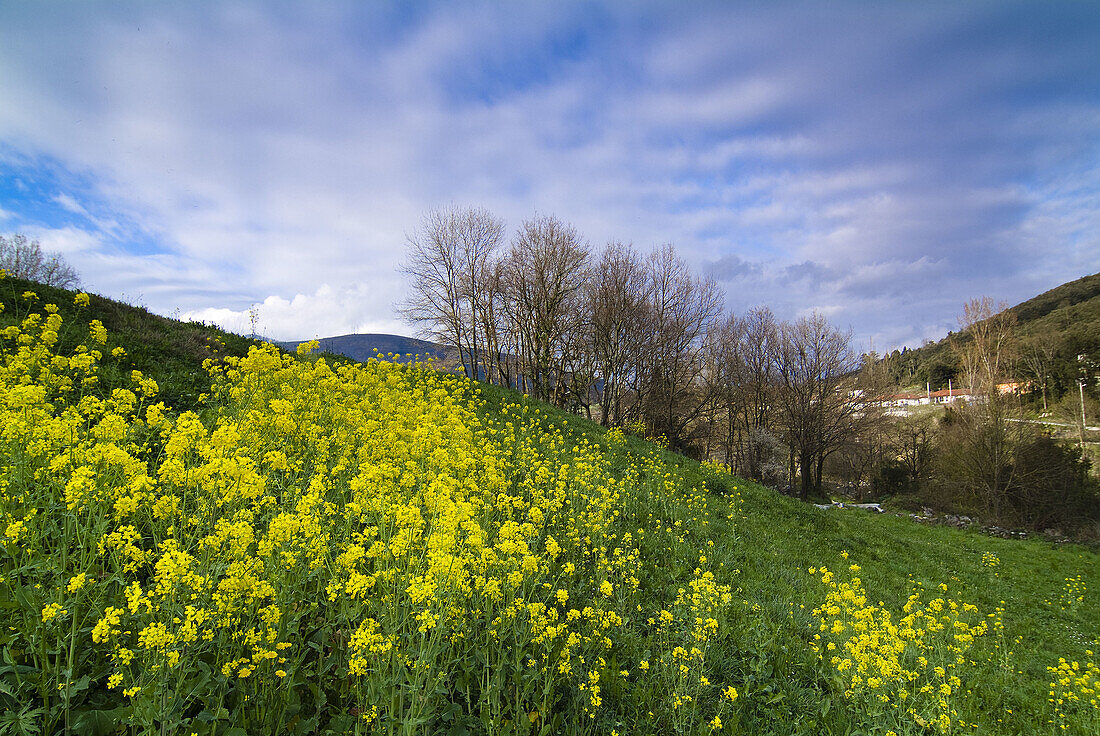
x,y
1081,390
1082,379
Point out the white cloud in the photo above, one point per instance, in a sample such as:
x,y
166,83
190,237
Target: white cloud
x,y
340,311
70,204
68,241
830,311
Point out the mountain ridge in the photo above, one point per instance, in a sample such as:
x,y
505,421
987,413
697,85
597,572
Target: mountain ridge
x,y
364,346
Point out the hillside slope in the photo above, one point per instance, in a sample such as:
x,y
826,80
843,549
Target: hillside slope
x,y
325,549
168,349
1084,291
1065,320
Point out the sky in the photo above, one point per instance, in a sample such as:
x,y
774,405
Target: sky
x,y
262,163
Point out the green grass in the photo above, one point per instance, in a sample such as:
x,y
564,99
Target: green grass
x,y
766,553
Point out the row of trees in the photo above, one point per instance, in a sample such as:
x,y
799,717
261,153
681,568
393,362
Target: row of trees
x,y
627,337
616,334
631,338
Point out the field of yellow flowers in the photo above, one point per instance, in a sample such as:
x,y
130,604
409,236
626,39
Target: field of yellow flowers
x,y
316,546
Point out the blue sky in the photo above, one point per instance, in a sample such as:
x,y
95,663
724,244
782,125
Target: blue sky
x,y
880,162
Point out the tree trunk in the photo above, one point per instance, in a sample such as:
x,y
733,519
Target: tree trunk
x,y
805,467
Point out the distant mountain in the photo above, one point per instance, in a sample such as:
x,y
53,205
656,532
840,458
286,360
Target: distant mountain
x,y
365,347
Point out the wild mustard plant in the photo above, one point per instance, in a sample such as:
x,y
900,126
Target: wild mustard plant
x,y
1075,694
350,548
1072,595
900,670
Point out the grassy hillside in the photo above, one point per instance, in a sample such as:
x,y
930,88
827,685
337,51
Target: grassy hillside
x,y
168,349
1066,318
384,548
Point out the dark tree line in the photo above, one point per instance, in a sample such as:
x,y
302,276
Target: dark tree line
x,y
632,338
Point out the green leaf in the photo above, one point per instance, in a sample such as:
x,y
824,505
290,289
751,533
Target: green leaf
x,y
305,726
100,722
341,724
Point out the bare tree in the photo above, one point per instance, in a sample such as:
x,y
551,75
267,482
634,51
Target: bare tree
x,y
496,349
578,365
617,296
975,458
447,260
820,402
759,343
543,277
985,344
25,259
725,376
1038,356
858,442
683,309
974,469
910,440
741,374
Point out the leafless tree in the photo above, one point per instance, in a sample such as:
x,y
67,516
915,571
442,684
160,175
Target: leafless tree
x,y
725,376
683,309
820,402
741,375
975,457
910,440
985,344
543,277
974,468
496,349
617,297
861,439
25,259
759,343
446,262
1037,355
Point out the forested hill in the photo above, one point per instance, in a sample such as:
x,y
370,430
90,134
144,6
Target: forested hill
x,y
1062,299
1063,323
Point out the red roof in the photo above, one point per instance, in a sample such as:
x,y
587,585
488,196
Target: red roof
x,y
952,392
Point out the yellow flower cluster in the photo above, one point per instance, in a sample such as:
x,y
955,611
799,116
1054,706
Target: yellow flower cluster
x,y
1073,594
1075,694
363,526
909,667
